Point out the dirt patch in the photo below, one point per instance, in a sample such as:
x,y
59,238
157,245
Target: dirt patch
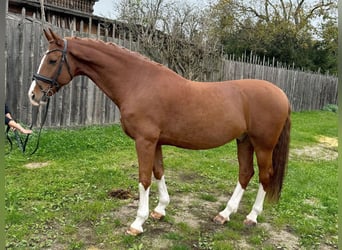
x,y
120,194
325,150
86,232
35,165
281,239
188,177
183,213
93,248
195,212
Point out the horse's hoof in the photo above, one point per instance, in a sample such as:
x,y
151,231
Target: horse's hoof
x,y
132,231
219,219
249,223
157,216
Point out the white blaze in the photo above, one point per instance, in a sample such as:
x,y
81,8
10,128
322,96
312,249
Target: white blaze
x,y
33,85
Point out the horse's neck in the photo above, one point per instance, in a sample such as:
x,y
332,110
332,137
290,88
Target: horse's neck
x,y
108,66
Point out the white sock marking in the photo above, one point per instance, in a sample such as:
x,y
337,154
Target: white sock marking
x,y
164,198
258,205
233,203
143,208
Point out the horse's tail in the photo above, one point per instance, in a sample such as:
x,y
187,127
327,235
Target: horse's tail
x,y
279,162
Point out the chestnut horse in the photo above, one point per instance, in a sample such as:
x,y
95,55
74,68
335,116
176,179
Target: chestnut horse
x,y
159,107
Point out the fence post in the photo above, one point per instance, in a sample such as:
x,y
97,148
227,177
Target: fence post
x,y
21,64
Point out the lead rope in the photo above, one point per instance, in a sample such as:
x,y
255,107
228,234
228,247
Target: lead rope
x,y
17,137
40,129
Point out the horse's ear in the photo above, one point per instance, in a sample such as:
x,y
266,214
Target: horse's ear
x,y
54,37
47,35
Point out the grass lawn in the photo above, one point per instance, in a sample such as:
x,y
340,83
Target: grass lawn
x,y
62,196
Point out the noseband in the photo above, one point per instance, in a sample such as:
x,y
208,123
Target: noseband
x,y
53,81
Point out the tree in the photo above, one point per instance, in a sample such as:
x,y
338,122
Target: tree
x,y
171,33
284,29
325,51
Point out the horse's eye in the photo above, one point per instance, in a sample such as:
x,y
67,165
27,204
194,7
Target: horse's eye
x,y
52,61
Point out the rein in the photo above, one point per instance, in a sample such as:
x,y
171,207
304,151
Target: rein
x,y
41,126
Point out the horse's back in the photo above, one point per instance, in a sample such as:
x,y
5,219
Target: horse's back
x,y
262,95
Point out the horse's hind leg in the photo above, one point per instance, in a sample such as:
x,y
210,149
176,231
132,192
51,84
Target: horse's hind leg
x,y
246,171
251,218
158,172
264,158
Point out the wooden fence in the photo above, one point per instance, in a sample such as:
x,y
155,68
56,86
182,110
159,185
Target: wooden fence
x,y
305,90
82,103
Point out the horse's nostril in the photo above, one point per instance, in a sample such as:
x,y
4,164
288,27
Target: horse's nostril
x,y
32,96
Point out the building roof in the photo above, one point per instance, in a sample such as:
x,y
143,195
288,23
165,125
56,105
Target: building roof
x,y
72,7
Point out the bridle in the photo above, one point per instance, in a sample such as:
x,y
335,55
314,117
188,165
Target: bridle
x,y
53,83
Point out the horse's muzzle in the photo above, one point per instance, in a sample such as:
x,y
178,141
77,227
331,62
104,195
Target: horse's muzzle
x,y
34,99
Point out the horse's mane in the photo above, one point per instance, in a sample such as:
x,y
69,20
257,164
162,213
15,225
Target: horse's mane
x,y
119,47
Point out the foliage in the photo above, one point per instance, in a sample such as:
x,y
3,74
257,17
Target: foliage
x,y
281,29
325,50
66,204
182,35
331,107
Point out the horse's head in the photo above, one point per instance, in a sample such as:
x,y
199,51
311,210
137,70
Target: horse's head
x,y
54,70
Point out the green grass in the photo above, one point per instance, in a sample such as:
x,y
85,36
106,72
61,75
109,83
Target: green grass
x,y
66,205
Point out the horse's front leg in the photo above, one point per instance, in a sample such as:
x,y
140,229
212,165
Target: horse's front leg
x,y
146,153
158,172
